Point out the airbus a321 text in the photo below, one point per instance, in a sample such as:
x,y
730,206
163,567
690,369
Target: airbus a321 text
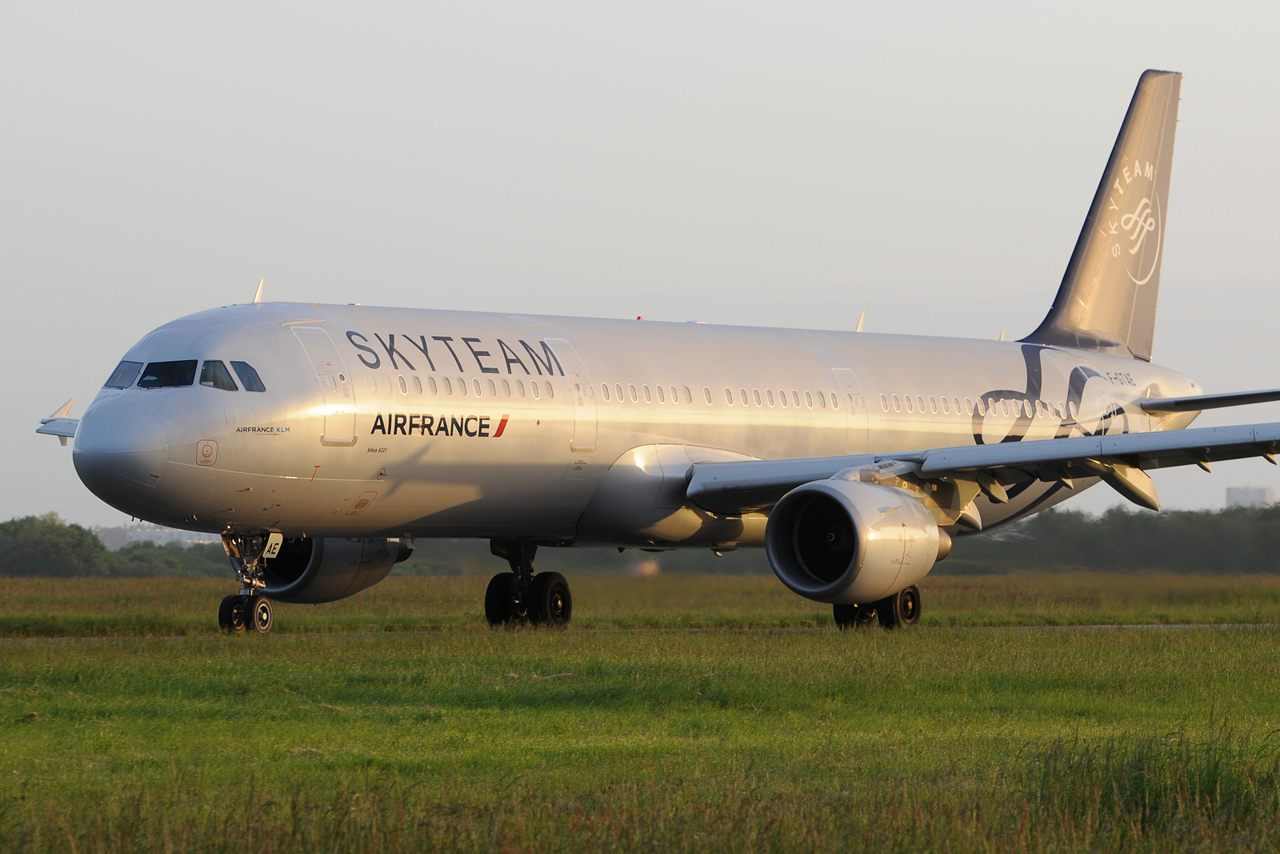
x,y
322,442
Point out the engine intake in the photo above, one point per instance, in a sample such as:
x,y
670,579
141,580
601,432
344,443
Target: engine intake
x,y
312,571
849,542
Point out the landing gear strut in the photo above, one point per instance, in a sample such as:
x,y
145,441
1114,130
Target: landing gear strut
x,y
521,596
251,609
900,609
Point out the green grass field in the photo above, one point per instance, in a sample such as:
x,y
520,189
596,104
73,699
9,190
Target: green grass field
x,y
678,713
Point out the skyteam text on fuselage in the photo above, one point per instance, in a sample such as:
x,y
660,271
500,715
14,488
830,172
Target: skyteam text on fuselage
x,y
323,442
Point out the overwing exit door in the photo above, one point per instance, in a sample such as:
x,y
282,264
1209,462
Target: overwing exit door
x,y
585,418
851,400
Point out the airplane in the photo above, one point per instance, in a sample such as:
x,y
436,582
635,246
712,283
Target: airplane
x,y
324,441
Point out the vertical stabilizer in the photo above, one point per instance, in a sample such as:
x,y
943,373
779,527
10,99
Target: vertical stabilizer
x,y
1107,299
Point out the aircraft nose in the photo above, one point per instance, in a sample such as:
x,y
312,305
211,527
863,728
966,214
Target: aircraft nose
x,y
120,454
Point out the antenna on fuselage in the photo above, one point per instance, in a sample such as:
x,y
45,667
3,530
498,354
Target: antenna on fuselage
x,y
861,320
257,298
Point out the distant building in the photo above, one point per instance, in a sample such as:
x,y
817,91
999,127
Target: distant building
x,y
1250,496
117,538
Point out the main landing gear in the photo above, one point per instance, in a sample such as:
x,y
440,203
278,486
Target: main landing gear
x,y
900,609
250,610
521,596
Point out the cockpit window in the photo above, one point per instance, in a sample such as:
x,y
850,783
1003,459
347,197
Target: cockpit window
x,y
124,375
248,376
215,375
168,374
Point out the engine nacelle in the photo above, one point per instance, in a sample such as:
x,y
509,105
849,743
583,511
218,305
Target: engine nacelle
x,y
850,542
313,571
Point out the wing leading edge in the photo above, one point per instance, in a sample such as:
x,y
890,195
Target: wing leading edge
x,y
1122,461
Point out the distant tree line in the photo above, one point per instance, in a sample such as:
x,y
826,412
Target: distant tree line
x,y
48,547
1236,541
1229,542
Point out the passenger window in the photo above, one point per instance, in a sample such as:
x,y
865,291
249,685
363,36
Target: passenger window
x,y
604,388
448,386
493,389
462,386
431,385
835,401
955,403
728,395
742,393
551,392
933,404
506,389
214,374
675,398
822,401
946,410
661,397
795,398
756,393
169,374
706,392
124,375
475,384
417,385
617,387
404,388
248,376
533,387
520,387
645,389
907,399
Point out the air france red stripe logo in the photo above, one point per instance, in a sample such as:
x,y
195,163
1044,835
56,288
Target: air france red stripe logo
x,y
467,426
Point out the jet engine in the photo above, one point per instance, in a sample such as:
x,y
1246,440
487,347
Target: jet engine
x,y
324,570
847,542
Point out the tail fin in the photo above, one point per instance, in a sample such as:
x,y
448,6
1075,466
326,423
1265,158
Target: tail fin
x,y
1107,300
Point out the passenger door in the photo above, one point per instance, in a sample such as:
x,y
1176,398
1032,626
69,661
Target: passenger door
x,y
331,375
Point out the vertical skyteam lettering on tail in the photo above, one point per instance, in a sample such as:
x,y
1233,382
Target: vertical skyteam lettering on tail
x,y
1107,299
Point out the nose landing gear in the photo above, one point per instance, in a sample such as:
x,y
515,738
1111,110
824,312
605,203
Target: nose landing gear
x,y
521,596
251,609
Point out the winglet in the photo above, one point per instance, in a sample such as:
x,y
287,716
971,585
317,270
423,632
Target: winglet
x,y
257,298
60,424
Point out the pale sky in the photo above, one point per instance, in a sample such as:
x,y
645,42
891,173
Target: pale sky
x,y
764,164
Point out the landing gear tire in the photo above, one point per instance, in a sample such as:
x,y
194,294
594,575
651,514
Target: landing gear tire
x,y
497,599
854,616
901,609
233,614
260,616
552,604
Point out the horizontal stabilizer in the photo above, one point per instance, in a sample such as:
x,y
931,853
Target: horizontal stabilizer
x,y
1199,403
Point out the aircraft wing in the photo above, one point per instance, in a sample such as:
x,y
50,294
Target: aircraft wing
x,y
60,424
1121,460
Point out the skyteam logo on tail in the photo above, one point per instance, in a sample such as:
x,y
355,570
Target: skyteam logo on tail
x,y
1133,220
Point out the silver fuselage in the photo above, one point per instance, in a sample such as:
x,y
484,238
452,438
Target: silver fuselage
x,y
395,422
